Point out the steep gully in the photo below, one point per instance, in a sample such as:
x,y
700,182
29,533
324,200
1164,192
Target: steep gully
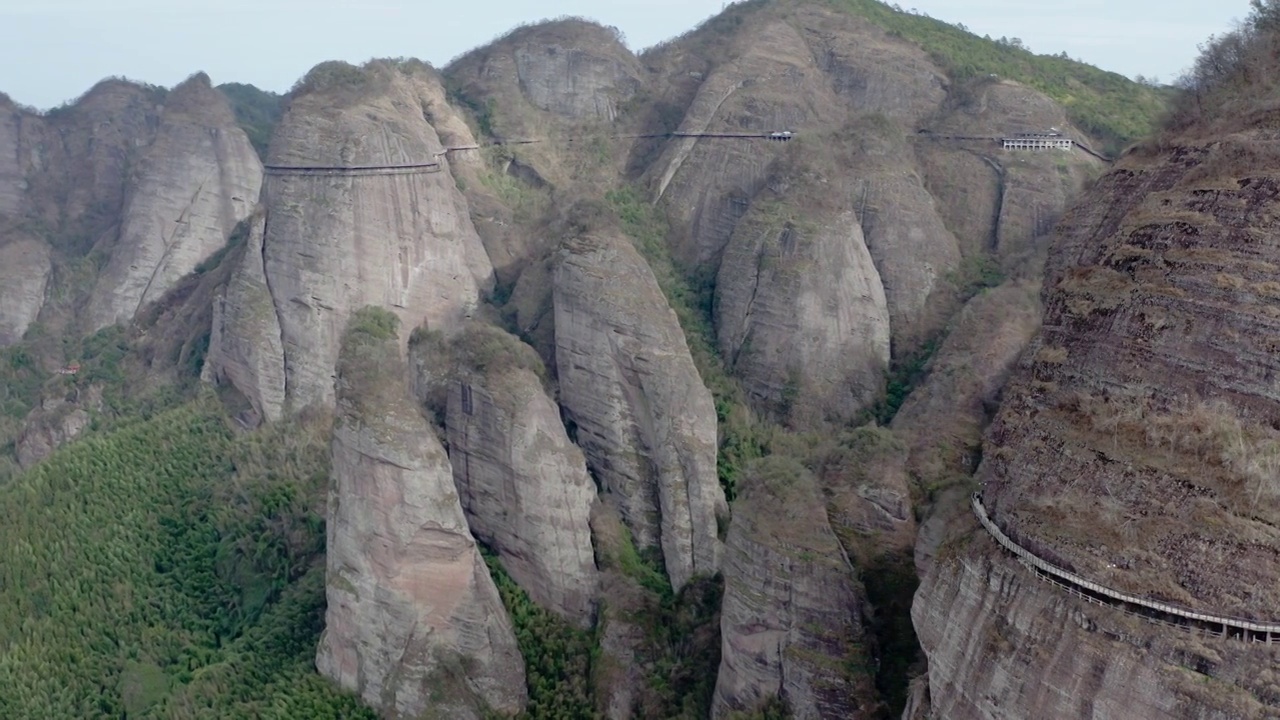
x,y
1157,612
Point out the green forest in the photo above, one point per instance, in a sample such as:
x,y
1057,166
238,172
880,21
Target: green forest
x,y
168,569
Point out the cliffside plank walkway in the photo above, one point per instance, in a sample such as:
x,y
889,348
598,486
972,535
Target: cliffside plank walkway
x,y
777,136
407,169
1158,612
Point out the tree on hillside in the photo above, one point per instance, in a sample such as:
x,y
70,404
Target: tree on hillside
x,y
1234,70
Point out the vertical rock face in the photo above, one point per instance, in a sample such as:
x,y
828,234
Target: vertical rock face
x,y
912,248
523,484
16,126
1136,446
762,68
414,623
800,310
791,623
575,82
573,69
82,165
642,415
402,240
245,346
1002,645
706,185
196,181
24,274
997,200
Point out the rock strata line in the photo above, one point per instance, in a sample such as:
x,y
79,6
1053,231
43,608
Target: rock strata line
x,y
1238,628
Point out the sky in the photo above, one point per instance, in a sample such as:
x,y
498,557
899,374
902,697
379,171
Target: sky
x,y
51,51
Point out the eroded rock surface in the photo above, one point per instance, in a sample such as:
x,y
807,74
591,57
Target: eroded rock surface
x,y
761,68
196,181
1004,645
334,242
523,484
414,623
25,268
1132,447
791,624
800,309
631,392
245,346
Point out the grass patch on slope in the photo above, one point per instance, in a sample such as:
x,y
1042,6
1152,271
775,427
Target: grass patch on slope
x,y
1104,104
167,569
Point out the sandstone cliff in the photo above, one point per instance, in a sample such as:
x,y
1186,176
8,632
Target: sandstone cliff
x,y
245,345
760,68
1134,446
334,242
630,390
564,81
997,201
64,177
25,268
792,617
800,309
195,182
523,485
414,623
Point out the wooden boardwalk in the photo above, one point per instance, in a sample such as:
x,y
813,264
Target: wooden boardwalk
x,y
1158,612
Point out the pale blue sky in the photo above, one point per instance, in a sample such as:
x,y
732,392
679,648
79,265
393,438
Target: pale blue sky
x,y
53,50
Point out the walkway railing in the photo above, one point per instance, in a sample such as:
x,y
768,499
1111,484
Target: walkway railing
x,y
408,169
1223,625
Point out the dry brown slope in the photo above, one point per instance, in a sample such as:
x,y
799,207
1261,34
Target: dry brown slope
x,y
1135,446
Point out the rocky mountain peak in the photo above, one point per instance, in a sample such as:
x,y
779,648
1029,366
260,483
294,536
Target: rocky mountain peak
x,y
572,69
196,96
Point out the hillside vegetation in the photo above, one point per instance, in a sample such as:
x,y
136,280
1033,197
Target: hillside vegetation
x,y
257,112
168,569
1107,105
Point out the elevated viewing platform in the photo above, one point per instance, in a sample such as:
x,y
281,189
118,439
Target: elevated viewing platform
x,y
1037,142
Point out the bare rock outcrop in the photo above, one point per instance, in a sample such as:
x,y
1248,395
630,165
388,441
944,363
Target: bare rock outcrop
x,y
1003,645
995,200
523,485
17,128
245,346
760,68
1135,446
791,623
25,267
196,181
55,422
943,419
800,310
912,248
402,240
631,392
706,185
81,160
414,622
573,69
